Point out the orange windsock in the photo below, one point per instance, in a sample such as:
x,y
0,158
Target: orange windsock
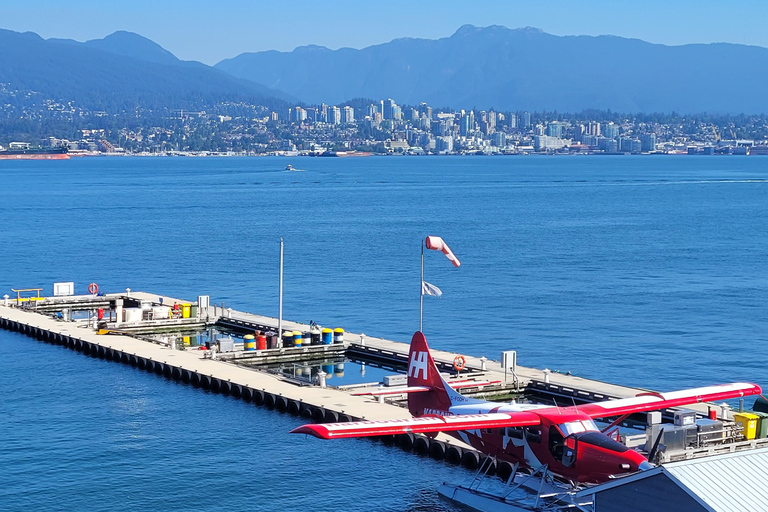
x,y
436,243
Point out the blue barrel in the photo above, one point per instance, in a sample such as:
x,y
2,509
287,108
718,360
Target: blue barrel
x,y
249,342
338,335
297,341
338,370
328,368
327,336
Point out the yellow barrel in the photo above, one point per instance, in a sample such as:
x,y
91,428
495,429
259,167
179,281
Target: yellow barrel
x,y
186,340
749,422
338,335
288,339
185,310
297,338
249,342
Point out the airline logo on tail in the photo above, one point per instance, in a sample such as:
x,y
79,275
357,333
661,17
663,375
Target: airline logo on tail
x,y
417,365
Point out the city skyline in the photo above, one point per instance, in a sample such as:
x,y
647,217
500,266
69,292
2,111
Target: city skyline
x,y
208,33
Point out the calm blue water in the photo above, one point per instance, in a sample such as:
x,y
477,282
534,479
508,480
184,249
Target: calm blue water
x,y
637,270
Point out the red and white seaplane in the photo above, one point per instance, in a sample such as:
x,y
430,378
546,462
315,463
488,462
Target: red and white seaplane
x,y
565,439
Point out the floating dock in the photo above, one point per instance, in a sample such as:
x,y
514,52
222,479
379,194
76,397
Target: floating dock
x,y
238,374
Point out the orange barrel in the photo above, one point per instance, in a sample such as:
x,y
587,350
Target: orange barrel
x,y
261,342
101,313
297,341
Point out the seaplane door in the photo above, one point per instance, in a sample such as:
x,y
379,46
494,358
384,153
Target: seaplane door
x,y
569,451
563,449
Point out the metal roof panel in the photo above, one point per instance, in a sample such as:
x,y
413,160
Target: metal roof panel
x,y
733,482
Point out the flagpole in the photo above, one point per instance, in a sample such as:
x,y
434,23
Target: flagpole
x,y
421,291
280,301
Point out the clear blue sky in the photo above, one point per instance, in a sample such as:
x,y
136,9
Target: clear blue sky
x,y
209,31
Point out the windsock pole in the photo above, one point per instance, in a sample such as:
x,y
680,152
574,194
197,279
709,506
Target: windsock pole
x,y
421,291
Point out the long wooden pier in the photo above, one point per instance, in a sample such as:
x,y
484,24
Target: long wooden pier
x,y
312,402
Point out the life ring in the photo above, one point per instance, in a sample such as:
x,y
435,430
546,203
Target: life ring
x,y
93,288
459,363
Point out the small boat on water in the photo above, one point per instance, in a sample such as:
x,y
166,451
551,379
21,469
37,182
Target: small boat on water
x,y
289,167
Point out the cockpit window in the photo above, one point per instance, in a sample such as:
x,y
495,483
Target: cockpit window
x,y
574,427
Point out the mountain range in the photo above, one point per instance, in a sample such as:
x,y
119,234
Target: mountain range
x,y
123,71
522,69
488,67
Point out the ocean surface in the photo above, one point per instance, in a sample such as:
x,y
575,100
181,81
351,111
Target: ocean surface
x,y
645,271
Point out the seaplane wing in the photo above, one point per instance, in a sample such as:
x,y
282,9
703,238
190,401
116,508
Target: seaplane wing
x,y
656,401
422,424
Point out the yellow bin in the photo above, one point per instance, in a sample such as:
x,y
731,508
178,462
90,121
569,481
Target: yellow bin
x,y
749,422
185,309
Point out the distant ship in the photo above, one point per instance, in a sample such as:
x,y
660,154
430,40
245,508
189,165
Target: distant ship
x,y
344,153
27,153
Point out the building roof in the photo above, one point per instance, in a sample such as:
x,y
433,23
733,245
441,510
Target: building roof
x,y
732,482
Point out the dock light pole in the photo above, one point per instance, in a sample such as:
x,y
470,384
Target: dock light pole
x,y
280,301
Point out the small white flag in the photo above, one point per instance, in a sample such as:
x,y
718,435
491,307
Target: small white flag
x,y
430,289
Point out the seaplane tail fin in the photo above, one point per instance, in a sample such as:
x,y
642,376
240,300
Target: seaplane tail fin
x,y
422,372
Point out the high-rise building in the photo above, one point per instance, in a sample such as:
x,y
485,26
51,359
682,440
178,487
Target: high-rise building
x,y
648,142
555,129
371,110
444,144
499,139
611,131
467,123
512,121
347,115
334,115
296,115
525,120
388,107
594,128
577,132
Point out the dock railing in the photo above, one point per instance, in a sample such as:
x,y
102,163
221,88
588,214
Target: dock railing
x,y
20,299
